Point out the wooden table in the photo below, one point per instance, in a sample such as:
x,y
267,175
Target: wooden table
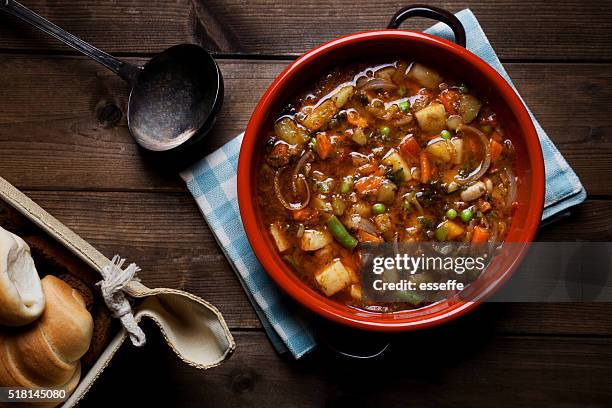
x,y
63,140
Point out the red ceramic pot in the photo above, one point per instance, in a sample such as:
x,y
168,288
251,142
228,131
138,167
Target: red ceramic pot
x,y
429,50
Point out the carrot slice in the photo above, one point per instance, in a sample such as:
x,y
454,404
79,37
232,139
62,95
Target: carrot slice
x,y
369,184
496,150
363,236
305,214
409,148
368,168
324,146
414,87
480,235
425,167
447,98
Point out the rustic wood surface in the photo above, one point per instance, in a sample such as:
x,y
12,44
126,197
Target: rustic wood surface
x,y
63,140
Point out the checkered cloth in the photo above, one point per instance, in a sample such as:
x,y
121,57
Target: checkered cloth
x,y
212,182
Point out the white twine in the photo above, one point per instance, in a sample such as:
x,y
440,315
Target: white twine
x,y
112,286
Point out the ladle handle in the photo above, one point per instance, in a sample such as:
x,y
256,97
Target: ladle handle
x,y
125,70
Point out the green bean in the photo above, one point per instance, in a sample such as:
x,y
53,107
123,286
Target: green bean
x,y
340,233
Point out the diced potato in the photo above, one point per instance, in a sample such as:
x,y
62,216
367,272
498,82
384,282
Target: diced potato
x,y
386,192
333,278
454,121
425,76
338,205
458,153
454,230
288,131
278,234
313,240
352,221
343,95
452,187
355,292
441,150
383,222
320,204
360,137
362,208
320,116
397,163
469,107
432,118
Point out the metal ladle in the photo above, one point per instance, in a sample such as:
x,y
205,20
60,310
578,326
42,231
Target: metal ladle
x,y
174,97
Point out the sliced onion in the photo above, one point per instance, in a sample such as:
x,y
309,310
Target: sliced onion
x,y
279,195
368,226
406,120
486,162
376,84
359,159
512,188
306,157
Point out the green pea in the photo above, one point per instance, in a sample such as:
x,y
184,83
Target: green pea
x,y
451,214
466,215
347,185
442,233
404,106
445,134
378,208
385,131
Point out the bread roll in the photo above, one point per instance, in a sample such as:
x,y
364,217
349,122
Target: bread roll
x,y
47,353
21,296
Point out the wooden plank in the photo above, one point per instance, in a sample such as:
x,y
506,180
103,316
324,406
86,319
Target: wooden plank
x,y
439,368
572,29
166,235
57,134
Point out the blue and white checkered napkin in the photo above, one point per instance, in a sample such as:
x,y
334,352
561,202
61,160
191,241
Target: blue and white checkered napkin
x,y
212,182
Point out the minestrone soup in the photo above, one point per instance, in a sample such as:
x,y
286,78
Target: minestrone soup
x,y
395,152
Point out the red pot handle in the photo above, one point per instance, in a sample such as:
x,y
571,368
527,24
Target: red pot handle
x,y
435,13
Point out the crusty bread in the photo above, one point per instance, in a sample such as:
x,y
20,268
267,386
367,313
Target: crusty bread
x,y
47,353
80,286
21,296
